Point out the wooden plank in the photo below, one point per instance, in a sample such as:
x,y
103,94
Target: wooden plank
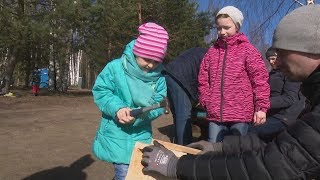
x,y
135,167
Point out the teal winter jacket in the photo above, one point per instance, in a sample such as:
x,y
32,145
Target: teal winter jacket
x,y
113,90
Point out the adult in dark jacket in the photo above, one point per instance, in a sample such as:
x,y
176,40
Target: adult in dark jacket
x,y
294,153
182,85
286,101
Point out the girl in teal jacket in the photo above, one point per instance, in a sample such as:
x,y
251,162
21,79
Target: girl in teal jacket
x,y
132,81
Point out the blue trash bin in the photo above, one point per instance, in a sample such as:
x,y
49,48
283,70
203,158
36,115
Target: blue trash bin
x,y
44,78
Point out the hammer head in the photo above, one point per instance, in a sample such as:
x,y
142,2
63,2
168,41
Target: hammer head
x,y
167,106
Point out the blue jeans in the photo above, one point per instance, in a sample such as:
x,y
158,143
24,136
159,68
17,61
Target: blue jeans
x,y
217,130
120,171
180,106
269,129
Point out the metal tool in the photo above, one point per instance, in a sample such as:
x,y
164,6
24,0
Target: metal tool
x,y
136,112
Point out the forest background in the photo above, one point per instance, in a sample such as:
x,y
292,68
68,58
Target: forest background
x,y
75,39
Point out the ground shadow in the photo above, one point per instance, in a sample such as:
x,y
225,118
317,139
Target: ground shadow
x,y
19,91
72,172
168,131
70,92
78,92
199,131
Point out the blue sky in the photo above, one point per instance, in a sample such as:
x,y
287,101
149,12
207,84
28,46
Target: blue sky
x,y
257,13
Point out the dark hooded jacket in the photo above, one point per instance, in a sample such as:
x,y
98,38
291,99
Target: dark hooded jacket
x,y
184,70
286,100
293,154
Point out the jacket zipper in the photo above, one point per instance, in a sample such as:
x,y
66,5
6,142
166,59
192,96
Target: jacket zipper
x,y
222,80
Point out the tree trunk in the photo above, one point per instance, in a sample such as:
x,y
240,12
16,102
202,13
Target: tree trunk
x,y
9,69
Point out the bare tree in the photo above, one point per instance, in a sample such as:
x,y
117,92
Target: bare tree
x,y
260,17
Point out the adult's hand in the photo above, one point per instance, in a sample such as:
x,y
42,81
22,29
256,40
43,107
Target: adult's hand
x,y
206,146
157,158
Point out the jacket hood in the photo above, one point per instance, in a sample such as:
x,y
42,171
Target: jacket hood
x,y
232,40
131,67
128,51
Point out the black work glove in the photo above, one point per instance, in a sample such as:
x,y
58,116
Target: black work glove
x,y
157,158
206,146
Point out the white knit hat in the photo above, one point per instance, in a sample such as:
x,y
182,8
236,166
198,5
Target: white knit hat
x,y
234,13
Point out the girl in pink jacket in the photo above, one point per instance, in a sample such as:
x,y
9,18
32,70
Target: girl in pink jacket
x,y
233,80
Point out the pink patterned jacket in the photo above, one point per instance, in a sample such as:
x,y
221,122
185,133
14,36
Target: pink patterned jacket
x,y
233,81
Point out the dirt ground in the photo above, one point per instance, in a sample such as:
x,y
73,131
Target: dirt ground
x,y
49,136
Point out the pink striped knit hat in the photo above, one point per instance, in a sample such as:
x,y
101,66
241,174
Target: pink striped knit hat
x,y
152,42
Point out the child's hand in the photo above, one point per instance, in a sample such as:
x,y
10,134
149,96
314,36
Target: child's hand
x,y
124,117
259,118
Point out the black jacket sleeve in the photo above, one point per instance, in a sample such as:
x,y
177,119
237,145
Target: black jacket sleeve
x,y
288,96
293,154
